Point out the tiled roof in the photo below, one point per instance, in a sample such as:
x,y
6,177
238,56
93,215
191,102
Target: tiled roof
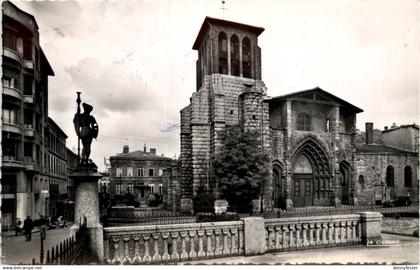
x,y
139,155
382,148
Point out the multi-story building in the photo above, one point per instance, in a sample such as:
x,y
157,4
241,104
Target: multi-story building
x,y
140,173
310,134
27,165
56,165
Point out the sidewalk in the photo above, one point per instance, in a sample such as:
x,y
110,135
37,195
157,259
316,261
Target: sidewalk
x,y
16,250
406,253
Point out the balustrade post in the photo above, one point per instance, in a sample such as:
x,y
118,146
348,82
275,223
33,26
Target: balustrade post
x,y
234,246
174,254
298,235
270,244
184,254
201,252
283,238
318,241
165,255
192,253
278,245
304,234
156,256
209,249
116,256
218,249
126,259
146,257
137,259
241,249
348,232
331,240
292,243
336,231
324,233
353,231
226,249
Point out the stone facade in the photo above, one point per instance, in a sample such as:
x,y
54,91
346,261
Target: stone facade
x,y
140,173
310,134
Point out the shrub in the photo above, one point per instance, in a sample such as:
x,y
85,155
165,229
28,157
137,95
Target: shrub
x,y
203,201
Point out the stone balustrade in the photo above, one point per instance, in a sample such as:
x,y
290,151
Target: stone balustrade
x,y
249,236
312,232
172,243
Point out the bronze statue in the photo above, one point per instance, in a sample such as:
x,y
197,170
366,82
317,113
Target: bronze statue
x,y
86,129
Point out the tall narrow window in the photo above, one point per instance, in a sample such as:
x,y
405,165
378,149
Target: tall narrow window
x,y
119,172
390,176
27,85
246,57
160,189
234,55
129,171
223,57
140,172
9,39
327,124
407,177
303,122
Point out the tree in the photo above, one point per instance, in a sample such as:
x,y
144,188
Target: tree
x,y
241,168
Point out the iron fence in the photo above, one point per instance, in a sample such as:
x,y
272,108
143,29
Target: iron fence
x,y
70,251
127,219
344,209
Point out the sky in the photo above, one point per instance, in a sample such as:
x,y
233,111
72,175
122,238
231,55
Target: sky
x,y
133,60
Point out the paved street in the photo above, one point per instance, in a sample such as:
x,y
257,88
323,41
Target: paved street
x,y
16,250
406,253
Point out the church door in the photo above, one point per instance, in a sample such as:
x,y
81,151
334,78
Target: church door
x,y
302,182
302,190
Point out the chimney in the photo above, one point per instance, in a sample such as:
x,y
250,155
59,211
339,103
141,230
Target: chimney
x,y
369,133
153,151
125,149
144,148
386,127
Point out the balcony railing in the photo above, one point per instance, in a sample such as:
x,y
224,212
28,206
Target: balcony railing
x,y
13,92
12,128
11,161
11,54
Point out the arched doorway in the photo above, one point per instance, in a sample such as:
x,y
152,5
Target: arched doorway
x,y
344,179
311,175
279,183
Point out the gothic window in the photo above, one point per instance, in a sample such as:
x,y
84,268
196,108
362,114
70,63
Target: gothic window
x,y
303,122
234,55
246,57
407,176
390,176
223,57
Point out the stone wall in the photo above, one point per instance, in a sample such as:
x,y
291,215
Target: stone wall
x,y
372,167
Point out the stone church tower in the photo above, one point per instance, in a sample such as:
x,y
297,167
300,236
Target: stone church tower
x,y
229,92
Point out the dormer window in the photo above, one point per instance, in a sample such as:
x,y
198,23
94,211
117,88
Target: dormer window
x,y
303,122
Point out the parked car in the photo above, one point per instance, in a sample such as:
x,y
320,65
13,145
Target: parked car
x,y
400,201
58,222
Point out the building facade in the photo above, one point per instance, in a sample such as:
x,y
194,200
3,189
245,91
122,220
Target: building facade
x,y
139,173
24,117
310,134
388,170
56,167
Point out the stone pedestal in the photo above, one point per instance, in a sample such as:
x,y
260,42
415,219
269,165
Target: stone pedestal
x,y
254,236
220,206
370,227
87,206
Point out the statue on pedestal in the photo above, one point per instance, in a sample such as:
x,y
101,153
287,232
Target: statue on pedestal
x,y
86,129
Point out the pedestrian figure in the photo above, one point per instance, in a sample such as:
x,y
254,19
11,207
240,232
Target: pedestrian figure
x,y
28,225
86,129
18,227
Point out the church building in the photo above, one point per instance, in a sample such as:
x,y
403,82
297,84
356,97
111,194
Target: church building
x,y
310,134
